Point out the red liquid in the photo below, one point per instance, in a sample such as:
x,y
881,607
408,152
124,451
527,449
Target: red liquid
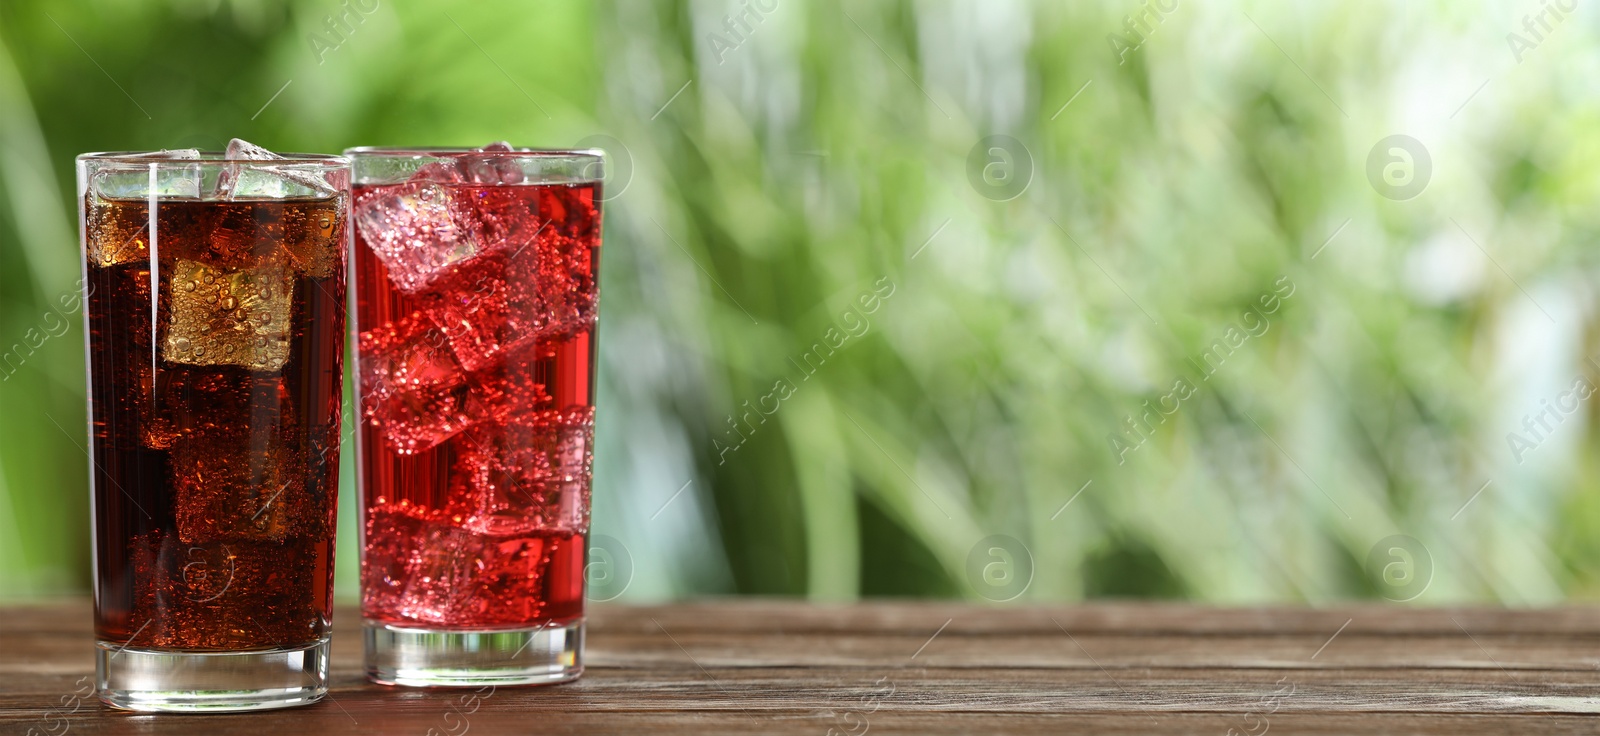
x,y
476,401
215,419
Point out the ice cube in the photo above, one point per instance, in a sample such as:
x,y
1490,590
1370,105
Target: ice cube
x,y
266,181
393,531
229,317
412,388
443,171
305,234
155,401
557,221
166,180
179,154
224,595
572,211
440,218
410,229
492,170
534,285
176,181
458,576
517,387
116,209
239,473
499,301
170,395
118,232
499,218
313,237
439,573
472,169
507,581
527,475
114,237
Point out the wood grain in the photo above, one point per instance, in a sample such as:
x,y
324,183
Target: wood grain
x,y
765,666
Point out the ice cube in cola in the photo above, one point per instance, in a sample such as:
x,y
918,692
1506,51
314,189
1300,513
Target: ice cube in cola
x,y
476,310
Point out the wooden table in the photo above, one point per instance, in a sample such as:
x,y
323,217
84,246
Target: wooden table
x,y
768,666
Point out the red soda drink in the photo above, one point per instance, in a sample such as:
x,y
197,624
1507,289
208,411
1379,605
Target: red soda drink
x,y
475,305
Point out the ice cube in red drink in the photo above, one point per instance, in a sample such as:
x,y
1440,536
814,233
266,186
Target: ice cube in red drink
x,y
498,302
459,577
413,390
411,229
438,577
529,473
498,218
392,533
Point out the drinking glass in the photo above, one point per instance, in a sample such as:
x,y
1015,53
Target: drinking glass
x,y
475,290
215,294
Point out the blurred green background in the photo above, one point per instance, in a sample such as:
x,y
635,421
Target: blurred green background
x,y
1224,343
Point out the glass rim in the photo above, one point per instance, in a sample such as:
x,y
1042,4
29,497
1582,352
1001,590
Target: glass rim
x,y
145,158
461,152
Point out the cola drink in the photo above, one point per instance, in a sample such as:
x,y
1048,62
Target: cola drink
x,y
215,363
475,305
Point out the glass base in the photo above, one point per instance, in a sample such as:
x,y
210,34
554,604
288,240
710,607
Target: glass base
x,y
153,680
400,655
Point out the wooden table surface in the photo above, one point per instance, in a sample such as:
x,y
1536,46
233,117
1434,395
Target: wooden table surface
x,y
765,666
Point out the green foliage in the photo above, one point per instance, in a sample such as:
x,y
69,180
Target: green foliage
x,y
782,173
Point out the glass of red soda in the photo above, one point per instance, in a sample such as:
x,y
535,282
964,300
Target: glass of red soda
x,y
475,291
215,292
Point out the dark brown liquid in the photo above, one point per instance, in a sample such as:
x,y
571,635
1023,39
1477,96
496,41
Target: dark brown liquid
x,y
215,365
